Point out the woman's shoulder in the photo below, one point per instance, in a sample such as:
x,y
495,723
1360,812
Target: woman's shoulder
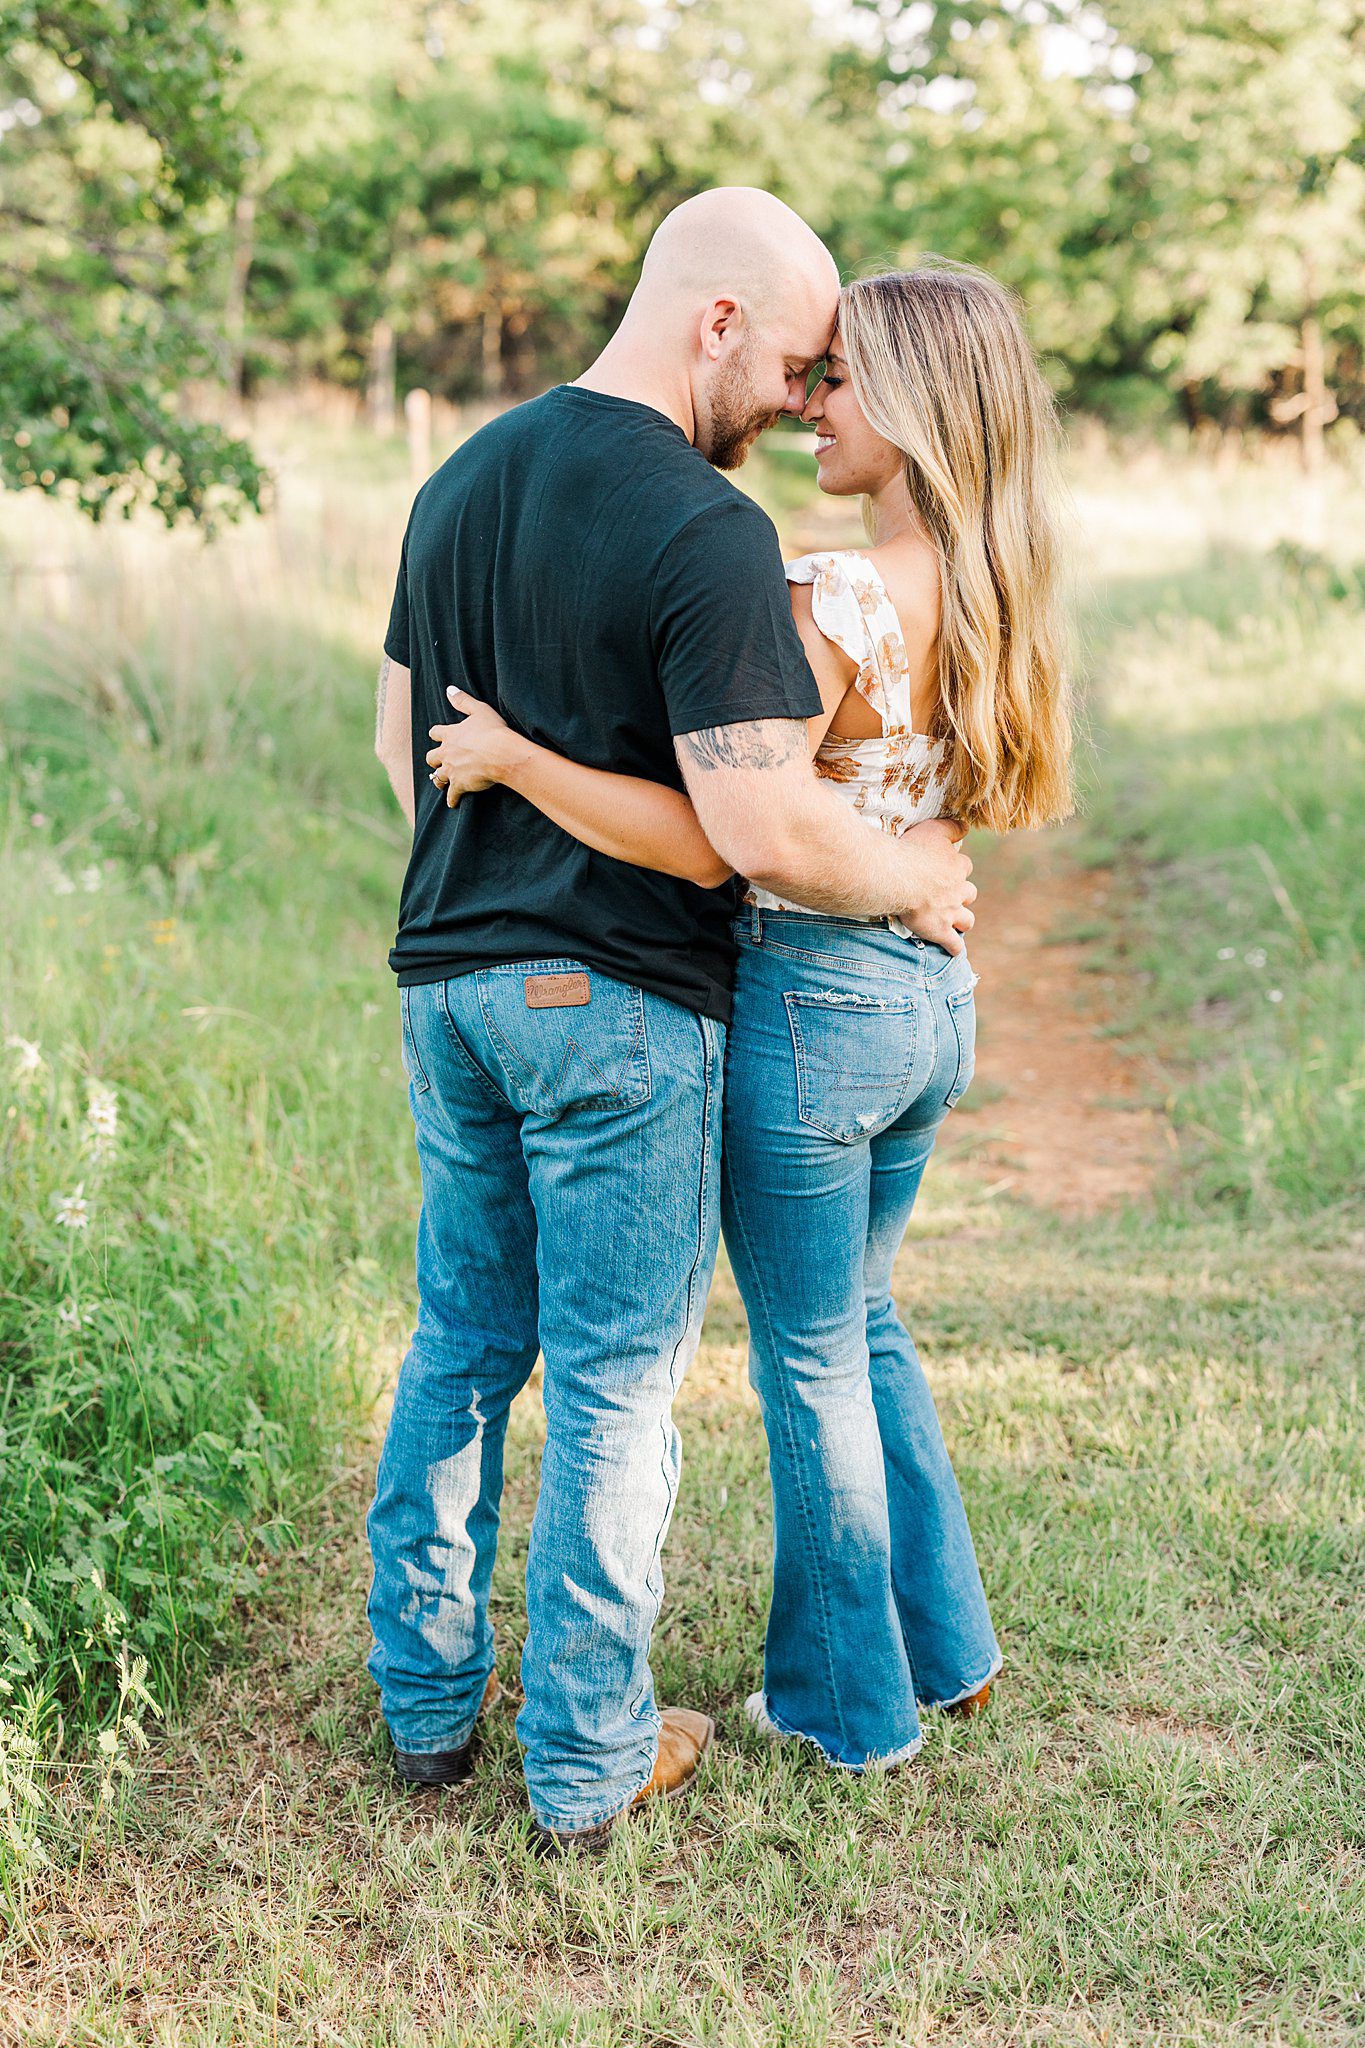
x,y
908,571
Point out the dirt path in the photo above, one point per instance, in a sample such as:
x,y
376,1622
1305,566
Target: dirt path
x,y
1057,1113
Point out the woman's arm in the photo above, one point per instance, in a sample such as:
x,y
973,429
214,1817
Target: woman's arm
x,y
645,823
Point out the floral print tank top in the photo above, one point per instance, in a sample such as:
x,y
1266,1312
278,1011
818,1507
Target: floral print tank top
x,y
896,778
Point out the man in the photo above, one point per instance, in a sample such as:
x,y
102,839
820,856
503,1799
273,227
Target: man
x,y
582,564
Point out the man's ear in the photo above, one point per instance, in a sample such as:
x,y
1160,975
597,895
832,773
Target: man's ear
x,y
722,317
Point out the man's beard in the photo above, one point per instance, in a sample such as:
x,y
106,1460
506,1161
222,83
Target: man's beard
x,y
736,421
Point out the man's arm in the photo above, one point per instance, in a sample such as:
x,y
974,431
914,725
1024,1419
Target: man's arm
x,y
763,808
393,731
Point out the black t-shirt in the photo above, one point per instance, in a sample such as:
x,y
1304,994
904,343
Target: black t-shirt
x,y
581,567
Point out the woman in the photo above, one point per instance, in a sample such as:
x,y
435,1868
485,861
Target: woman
x,y
936,651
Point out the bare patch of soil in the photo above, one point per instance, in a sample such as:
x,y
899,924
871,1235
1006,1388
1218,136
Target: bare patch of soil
x,y
1057,1114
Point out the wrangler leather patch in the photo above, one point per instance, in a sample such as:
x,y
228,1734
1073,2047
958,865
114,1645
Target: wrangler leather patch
x,y
557,991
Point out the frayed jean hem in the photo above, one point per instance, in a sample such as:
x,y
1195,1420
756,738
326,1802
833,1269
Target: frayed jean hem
x,y
903,1755
967,1690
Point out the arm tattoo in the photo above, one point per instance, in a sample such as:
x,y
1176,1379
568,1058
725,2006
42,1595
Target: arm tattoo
x,y
761,743
384,667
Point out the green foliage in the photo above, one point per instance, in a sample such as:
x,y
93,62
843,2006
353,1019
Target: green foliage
x,y
440,222
194,202
1174,192
493,184
1233,735
190,1147
120,141
493,195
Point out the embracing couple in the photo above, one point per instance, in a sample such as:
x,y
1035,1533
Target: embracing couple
x,y
614,1047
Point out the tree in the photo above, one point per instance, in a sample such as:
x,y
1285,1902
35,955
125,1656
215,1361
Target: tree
x,y
121,152
515,162
1178,194
445,227
1245,181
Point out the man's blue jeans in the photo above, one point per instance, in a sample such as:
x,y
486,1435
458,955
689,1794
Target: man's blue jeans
x,y
570,1206
848,1046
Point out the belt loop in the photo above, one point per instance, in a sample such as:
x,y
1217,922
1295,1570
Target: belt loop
x,y
756,924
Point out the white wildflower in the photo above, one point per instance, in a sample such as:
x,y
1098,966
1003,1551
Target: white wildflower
x,y
108,1739
28,1056
73,1211
1227,952
69,1317
1274,995
102,1113
102,1120
1256,957
91,879
62,884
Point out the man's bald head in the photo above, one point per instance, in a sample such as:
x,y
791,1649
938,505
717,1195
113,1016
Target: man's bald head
x,y
739,296
737,240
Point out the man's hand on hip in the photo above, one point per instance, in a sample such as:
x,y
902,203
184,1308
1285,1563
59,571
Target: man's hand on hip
x,y
942,910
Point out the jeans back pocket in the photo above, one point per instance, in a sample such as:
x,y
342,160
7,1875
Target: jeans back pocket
x,y
590,1052
854,1058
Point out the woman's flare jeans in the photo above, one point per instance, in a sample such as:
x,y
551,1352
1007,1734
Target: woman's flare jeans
x,y
847,1048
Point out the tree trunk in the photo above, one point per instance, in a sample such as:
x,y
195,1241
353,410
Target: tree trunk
x,y
1317,406
234,313
381,396
417,413
1189,404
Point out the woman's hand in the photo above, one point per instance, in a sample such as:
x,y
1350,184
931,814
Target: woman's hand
x,y
474,754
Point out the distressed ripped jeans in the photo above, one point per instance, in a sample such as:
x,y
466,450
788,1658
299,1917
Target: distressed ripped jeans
x,y
569,1157
848,1046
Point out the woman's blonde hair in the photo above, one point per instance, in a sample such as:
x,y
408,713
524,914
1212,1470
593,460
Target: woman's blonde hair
x,y
940,364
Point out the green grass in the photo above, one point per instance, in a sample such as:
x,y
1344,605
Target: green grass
x,y
1154,1837
1233,715
198,866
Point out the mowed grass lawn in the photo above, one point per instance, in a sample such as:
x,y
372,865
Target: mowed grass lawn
x,y
1154,1836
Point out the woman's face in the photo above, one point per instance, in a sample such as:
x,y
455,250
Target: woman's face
x,y
851,456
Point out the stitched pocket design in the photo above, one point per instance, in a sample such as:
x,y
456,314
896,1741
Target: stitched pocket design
x,y
583,1055
854,1057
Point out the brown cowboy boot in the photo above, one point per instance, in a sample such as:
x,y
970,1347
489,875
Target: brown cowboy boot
x,y
445,1766
975,1702
684,1738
